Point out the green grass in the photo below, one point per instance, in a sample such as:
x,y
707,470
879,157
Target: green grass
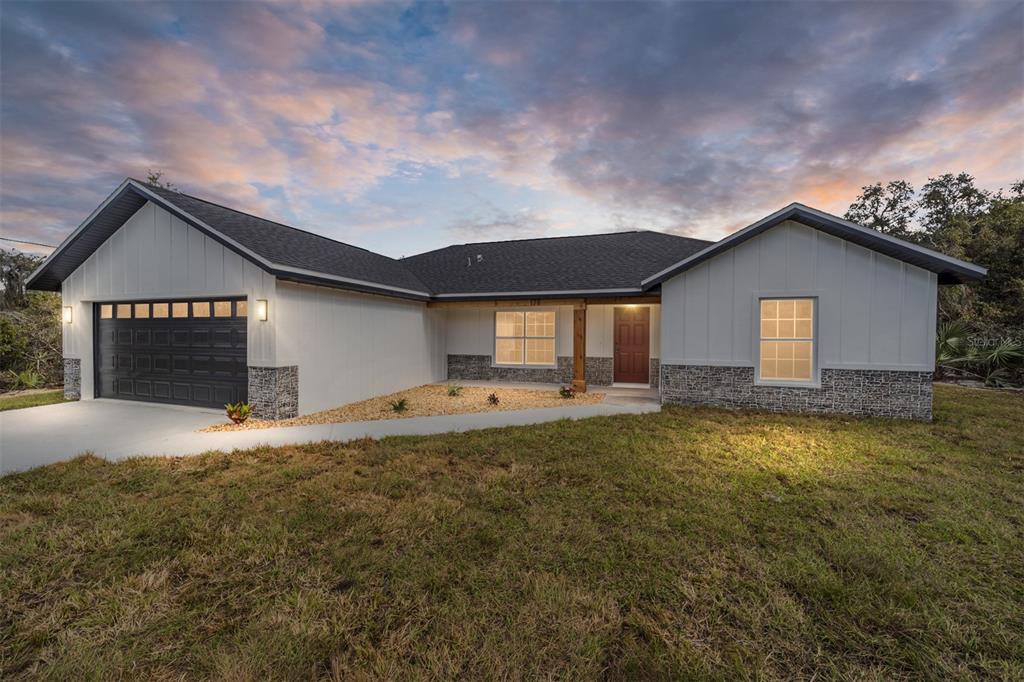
x,y
691,544
17,402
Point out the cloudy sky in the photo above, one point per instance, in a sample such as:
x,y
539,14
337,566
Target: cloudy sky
x,y
405,127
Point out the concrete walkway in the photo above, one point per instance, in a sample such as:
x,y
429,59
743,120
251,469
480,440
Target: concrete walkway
x,y
117,429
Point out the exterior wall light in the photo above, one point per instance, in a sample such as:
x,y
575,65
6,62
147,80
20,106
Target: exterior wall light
x,y
261,309
67,314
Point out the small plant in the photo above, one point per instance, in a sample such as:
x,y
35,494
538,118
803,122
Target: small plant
x,y
454,390
238,412
493,399
567,392
28,379
400,405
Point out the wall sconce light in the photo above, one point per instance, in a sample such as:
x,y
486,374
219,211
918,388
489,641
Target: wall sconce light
x,y
67,314
261,309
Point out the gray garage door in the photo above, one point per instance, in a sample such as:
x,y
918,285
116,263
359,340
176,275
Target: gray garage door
x,y
183,352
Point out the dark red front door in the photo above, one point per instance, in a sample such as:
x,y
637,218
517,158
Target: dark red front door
x,y
632,345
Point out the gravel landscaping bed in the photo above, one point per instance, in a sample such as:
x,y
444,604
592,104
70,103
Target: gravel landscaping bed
x,y
425,401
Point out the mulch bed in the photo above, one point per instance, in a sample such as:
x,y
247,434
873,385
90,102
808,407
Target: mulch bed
x,y
424,401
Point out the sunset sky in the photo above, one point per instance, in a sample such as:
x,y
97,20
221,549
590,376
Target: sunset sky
x,y
406,127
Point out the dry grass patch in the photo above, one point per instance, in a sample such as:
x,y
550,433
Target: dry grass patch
x,y
429,400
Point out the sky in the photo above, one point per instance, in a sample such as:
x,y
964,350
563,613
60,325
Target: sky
x,y
405,127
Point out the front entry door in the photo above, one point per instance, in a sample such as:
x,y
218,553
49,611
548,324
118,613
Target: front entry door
x,y
632,345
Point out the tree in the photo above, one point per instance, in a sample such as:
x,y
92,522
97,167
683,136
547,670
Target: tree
x,y
15,268
948,200
889,209
958,219
155,178
30,333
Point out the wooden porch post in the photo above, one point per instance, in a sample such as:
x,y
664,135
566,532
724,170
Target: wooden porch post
x,y
579,347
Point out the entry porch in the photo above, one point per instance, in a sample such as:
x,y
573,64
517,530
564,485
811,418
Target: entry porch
x,y
579,342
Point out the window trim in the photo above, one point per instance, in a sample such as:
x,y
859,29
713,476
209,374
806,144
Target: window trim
x,y
523,364
815,381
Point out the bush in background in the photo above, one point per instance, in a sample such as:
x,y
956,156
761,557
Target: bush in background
x,y
30,334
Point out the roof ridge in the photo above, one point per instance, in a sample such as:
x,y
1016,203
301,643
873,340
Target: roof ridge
x,y
563,236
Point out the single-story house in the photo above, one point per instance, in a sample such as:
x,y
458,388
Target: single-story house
x,y
174,299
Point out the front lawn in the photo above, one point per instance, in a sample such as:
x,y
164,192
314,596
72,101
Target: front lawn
x,y
694,543
18,399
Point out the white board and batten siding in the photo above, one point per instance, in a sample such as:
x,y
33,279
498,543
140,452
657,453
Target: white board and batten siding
x,y
156,256
350,346
874,312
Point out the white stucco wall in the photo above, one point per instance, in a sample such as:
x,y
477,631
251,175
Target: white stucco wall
x,y
154,255
874,312
471,330
351,346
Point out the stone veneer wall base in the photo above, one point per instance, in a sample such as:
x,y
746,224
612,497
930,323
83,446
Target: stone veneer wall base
x,y
72,379
480,368
274,392
868,393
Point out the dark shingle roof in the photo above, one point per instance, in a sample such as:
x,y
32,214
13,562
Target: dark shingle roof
x,y
619,260
629,262
290,246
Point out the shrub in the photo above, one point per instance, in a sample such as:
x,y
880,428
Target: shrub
x,y
400,405
28,379
454,390
238,412
493,399
961,352
567,392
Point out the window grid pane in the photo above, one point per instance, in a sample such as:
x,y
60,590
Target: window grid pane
x,y
160,309
222,308
508,324
106,311
540,351
540,324
787,338
124,311
241,308
141,311
179,309
509,351
201,309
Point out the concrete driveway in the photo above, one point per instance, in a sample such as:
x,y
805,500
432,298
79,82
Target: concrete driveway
x,y
117,429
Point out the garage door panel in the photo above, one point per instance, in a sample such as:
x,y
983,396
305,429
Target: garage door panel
x,y
143,388
206,364
161,390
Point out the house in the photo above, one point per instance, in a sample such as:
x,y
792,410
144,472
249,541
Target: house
x,y
173,299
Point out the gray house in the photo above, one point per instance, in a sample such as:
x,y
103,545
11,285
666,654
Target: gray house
x,y
173,299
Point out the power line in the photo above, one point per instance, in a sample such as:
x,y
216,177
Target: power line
x,y
25,241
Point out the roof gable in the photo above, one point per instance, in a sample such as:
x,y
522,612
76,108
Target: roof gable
x,y
286,252
950,270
